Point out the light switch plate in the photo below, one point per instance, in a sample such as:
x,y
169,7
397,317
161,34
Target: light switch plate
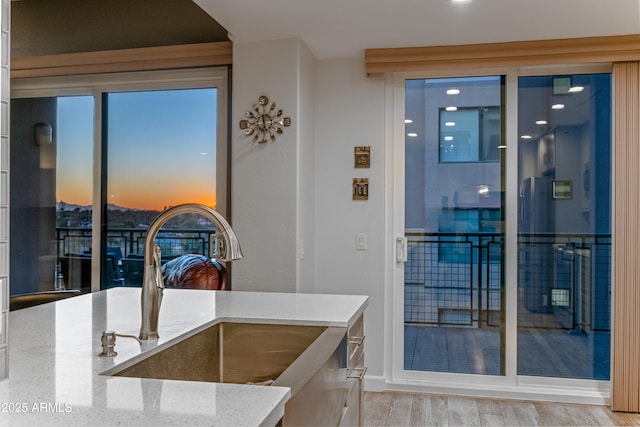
x,y
361,242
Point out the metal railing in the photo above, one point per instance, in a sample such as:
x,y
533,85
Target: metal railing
x,y
123,261
130,241
456,279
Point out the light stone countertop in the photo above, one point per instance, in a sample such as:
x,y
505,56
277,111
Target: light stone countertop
x,y
55,371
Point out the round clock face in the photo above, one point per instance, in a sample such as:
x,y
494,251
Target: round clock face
x,y
264,122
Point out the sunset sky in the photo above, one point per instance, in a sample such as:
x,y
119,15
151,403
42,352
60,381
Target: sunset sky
x,y
161,148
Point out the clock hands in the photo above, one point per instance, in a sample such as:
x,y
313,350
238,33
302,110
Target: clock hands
x,y
264,122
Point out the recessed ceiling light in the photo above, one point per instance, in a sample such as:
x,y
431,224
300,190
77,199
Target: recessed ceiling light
x,y
460,1
557,106
574,89
408,121
412,134
451,108
450,123
541,122
448,138
525,136
453,91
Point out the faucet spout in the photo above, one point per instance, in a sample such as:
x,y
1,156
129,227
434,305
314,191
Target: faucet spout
x,y
228,249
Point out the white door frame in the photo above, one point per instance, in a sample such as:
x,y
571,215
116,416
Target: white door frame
x,y
510,385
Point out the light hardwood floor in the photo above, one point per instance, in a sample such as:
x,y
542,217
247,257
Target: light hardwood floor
x,y
416,409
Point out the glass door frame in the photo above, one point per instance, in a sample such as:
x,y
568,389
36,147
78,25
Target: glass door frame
x,y
511,385
97,84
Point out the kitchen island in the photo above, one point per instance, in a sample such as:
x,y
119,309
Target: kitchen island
x,y
56,376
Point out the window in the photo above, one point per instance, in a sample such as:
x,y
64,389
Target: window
x,y
123,147
470,134
161,152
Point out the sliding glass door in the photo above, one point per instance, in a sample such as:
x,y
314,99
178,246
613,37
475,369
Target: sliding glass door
x,y
160,151
453,278
506,252
51,193
94,160
564,226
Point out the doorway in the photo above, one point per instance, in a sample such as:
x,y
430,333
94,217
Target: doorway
x,y
505,251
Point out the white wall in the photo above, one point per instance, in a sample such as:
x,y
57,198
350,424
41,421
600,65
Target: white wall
x,y
349,113
298,189
271,208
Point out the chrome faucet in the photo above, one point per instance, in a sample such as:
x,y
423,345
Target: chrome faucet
x,y
153,284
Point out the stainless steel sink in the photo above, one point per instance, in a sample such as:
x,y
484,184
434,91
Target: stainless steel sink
x,y
310,360
229,352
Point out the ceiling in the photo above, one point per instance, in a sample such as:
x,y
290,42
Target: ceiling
x,y
47,27
344,28
331,28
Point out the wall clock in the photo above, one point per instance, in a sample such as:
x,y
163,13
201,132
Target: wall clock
x,y
264,122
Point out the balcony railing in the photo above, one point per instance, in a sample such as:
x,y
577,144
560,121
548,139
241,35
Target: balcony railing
x,y
130,241
123,264
456,279
564,280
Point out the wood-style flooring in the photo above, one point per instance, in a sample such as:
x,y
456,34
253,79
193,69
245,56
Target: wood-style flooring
x,y
416,409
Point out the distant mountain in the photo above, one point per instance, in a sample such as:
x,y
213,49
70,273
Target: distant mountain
x,y
112,207
62,206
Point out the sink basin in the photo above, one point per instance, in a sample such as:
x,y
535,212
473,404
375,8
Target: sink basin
x,y
310,360
229,352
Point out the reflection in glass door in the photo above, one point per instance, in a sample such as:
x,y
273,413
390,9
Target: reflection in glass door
x,y
564,226
454,176
51,178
